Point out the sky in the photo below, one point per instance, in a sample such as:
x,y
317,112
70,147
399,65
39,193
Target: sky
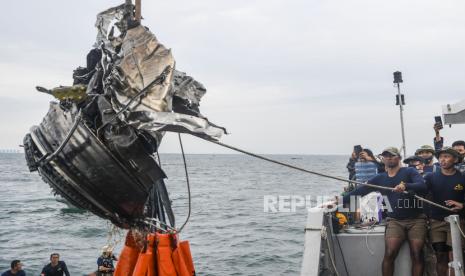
x,y
284,77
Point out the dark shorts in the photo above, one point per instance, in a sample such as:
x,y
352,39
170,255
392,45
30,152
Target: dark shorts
x,y
412,229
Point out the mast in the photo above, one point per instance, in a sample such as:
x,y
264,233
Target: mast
x,y
400,102
138,10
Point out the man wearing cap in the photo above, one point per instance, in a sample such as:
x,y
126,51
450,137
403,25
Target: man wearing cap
x,y
405,215
415,162
427,153
447,189
458,145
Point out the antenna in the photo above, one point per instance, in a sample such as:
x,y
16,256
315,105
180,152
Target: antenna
x,y
400,101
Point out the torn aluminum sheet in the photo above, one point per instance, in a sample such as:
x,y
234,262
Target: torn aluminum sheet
x,y
135,59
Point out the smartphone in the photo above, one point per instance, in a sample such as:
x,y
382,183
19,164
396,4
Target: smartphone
x,y
357,149
438,121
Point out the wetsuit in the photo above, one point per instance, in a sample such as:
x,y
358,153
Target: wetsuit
x,y
59,270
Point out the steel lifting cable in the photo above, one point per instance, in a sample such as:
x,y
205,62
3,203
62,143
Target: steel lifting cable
x,y
187,181
320,174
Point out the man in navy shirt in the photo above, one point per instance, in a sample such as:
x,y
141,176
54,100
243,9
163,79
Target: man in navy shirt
x,y
427,153
55,267
16,269
415,162
447,188
457,145
405,215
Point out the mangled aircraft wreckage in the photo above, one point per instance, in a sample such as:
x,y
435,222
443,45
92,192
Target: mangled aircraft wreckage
x,y
95,146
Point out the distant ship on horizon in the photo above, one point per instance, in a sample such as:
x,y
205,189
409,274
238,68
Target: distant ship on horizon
x,y
11,151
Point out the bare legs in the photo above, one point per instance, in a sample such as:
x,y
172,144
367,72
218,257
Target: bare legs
x,y
392,247
416,255
442,266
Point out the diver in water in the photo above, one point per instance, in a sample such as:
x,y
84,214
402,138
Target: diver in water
x,y
105,262
55,267
16,269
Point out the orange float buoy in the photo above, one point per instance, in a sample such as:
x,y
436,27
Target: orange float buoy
x,y
128,257
163,255
145,263
165,262
186,253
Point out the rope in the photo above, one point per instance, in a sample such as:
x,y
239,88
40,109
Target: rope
x,y
331,257
342,254
150,221
187,181
458,226
320,174
370,228
115,235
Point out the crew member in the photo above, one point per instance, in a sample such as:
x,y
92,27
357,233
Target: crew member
x,y
415,162
55,267
405,215
427,153
458,145
447,188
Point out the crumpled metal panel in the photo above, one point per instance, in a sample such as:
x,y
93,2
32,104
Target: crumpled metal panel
x,y
132,61
143,60
188,88
174,122
104,24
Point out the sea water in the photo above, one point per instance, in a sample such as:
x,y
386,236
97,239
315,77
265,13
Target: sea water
x,y
229,231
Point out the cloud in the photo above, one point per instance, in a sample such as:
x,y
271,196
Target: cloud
x,y
283,76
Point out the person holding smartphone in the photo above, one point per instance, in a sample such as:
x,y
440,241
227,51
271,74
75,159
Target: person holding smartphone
x,y
367,166
458,145
352,160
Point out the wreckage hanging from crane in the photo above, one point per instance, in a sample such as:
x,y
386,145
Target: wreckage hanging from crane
x,y
95,146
